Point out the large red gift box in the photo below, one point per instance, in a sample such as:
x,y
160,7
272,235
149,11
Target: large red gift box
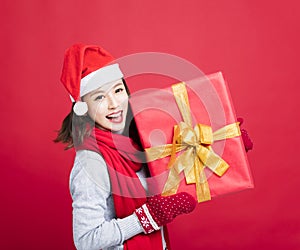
x,y
192,138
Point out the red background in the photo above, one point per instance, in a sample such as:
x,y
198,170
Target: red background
x,y
254,43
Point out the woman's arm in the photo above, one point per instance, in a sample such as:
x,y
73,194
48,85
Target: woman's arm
x,y
94,223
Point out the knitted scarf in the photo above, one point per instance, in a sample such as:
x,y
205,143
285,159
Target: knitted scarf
x,y
120,155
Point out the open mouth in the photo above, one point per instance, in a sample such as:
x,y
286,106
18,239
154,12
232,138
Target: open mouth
x,y
115,117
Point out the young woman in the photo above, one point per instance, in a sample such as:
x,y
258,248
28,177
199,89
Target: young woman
x,y
108,182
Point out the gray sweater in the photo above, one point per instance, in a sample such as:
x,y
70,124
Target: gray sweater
x,y
95,225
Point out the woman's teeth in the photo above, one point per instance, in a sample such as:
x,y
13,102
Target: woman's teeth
x,y
116,117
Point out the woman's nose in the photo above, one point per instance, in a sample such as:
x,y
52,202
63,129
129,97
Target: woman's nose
x,y
112,102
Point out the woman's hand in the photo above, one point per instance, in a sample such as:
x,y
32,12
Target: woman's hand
x,y
160,210
246,138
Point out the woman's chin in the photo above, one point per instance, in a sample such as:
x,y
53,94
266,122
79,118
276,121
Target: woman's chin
x,y
118,128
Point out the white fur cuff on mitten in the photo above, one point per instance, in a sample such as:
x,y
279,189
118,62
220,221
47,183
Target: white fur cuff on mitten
x,y
146,220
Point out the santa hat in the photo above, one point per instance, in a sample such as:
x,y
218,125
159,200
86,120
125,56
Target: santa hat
x,y
86,68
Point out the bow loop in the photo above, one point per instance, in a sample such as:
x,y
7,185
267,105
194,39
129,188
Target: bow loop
x,y
204,133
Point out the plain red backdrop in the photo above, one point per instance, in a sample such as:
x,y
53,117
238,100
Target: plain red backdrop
x,y
254,43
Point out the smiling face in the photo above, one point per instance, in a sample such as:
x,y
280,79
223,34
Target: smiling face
x,y
108,106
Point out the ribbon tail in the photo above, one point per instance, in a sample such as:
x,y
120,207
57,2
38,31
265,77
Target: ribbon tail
x,y
202,187
210,159
172,183
183,162
173,150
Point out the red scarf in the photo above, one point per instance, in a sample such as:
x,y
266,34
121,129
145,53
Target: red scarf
x,y
120,153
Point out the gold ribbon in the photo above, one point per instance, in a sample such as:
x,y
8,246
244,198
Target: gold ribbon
x,y
194,145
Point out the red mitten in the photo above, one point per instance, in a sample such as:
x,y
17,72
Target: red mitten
x,y
160,210
246,138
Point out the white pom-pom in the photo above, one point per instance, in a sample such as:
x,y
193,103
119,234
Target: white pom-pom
x,y
80,108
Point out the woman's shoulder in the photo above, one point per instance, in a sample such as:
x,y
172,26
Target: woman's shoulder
x,y
90,166
85,156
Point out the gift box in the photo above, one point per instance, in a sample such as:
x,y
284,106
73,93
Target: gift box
x,y
192,139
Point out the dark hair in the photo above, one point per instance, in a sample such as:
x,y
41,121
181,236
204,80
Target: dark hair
x,y
75,129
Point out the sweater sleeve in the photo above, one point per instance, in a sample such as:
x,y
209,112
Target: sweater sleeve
x,y
94,222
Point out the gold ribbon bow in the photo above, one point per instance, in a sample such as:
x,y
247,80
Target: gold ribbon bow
x,y
194,145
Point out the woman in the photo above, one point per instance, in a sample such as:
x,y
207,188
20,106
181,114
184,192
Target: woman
x,y
108,184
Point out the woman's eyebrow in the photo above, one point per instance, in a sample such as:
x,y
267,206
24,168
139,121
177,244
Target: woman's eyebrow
x,y
103,92
117,84
97,92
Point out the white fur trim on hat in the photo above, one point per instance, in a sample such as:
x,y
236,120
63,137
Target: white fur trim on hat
x,y
80,108
100,77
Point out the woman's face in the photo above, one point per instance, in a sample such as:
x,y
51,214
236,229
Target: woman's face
x,y
108,106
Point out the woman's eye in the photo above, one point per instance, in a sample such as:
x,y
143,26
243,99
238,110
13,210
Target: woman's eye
x,y
99,97
119,90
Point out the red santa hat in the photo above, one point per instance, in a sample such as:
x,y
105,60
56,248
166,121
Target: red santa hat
x,y
86,68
